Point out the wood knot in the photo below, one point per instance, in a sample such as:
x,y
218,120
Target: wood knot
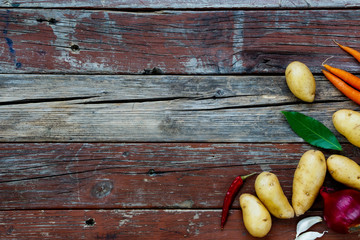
x,y
102,189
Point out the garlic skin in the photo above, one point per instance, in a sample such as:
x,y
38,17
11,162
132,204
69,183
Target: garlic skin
x,y
306,223
310,235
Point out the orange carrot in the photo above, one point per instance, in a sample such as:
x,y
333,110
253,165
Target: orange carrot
x,y
345,76
343,87
350,50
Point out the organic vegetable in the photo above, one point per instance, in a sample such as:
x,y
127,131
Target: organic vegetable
x,y
311,130
300,81
344,75
343,87
350,50
256,217
308,179
344,170
269,191
230,196
342,209
306,223
310,235
347,122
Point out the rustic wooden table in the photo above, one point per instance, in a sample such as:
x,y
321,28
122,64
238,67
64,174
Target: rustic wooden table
x,y
129,119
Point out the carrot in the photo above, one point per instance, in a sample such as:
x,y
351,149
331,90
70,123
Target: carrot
x,y
350,50
345,76
343,87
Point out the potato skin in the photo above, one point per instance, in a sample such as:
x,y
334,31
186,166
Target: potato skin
x,y
308,178
270,193
344,170
347,122
256,217
300,81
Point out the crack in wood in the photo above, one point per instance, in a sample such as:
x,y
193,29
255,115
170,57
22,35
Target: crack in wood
x,y
160,99
64,174
268,105
44,100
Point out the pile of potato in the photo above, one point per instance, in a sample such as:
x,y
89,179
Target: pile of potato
x,y
308,178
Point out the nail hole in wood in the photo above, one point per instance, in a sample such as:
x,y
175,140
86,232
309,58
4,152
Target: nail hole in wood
x,y
90,222
151,172
52,21
40,20
75,48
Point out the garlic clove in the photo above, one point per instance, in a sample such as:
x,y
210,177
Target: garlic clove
x,y
306,223
310,235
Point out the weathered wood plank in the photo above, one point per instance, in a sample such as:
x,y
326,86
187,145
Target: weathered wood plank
x,y
177,4
142,175
140,224
175,42
156,108
207,92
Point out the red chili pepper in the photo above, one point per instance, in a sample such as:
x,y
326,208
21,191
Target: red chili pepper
x,y
230,196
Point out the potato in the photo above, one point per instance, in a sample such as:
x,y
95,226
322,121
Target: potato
x,y
256,217
300,81
308,178
270,193
347,122
344,170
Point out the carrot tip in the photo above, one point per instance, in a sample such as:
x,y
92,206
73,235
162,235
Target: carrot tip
x,y
336,42
323,63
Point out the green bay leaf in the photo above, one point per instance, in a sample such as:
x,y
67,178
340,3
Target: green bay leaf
x,y
312,131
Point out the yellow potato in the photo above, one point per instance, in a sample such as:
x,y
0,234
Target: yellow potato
x,y
300,81
347,122
256,217
344,170
270,193
308,178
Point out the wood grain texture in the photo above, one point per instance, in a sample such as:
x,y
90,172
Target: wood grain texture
x,y
37,108
173,42
141,175
177,4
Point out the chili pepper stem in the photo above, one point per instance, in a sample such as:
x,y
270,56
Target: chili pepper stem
x,y
246,176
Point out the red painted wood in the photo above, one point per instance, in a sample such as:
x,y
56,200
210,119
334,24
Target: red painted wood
x,y
179,4
141,224
156,190
176,42
142,175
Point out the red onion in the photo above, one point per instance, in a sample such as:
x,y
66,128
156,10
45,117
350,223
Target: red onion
x,y
342,209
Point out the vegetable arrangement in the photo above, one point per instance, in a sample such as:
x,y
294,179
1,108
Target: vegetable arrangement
x,y
341,208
